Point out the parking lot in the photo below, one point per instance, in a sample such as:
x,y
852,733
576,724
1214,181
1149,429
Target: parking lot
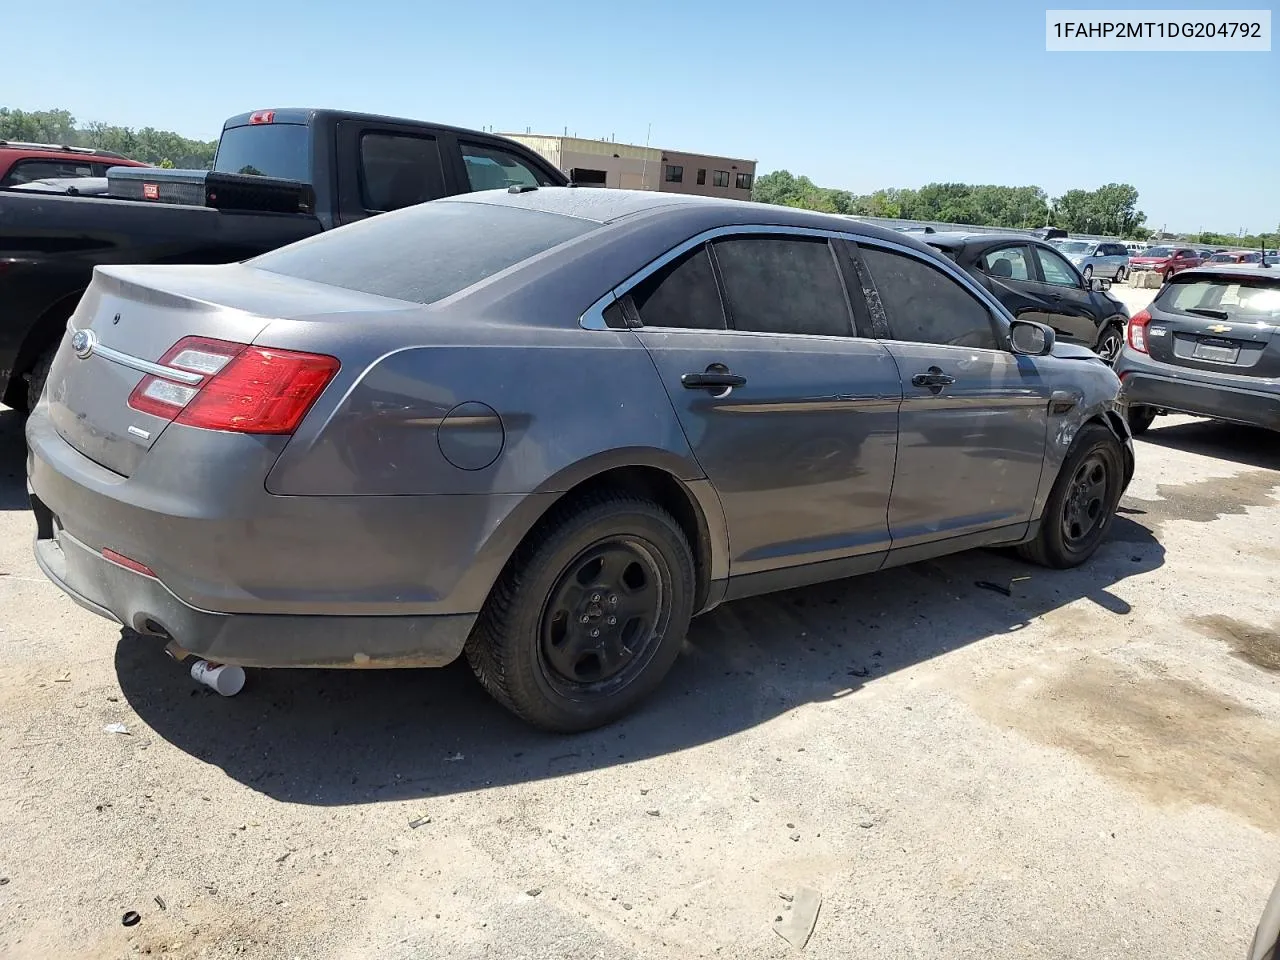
x,y
1084,768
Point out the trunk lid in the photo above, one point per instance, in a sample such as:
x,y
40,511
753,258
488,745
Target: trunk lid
x,y
1222,323
131,316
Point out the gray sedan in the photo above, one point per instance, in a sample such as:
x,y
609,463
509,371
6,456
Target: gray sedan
x,y
544,428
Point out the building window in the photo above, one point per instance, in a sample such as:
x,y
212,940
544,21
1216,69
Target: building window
x,y
720,178
702,178
674,174
744,181
588,178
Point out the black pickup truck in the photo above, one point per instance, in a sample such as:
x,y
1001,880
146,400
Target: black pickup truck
x,y
317,169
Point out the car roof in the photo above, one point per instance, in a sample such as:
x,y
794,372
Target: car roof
x,y
611,206
43,151
1233,270
960,239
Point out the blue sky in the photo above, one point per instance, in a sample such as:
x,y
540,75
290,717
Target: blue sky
x,y
853,94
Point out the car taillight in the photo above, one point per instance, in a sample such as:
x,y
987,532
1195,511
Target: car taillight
x,y
241,389
1138,330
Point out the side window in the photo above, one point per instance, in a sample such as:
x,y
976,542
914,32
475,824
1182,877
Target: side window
x,y
702,178
780,284
681,294
1007,263
398,170
1056,270
924,305
25,171
492,168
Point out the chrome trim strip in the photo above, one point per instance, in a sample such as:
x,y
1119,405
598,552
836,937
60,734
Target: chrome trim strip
x,y
144,366
593,317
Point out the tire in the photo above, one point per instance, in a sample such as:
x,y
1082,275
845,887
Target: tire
x,y
1168,275
1071,528
1109,344
1140,418
37,376
1088,273
532,647
1120,275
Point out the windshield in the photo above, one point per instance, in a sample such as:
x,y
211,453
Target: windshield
x,y
1222,258
281,150
1246,298
1159,252
1073,247
424,253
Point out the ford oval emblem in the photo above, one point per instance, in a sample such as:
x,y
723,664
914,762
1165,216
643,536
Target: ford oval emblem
x,y
82,342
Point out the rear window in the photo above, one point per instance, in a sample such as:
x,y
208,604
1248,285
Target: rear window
x,y
281,150
1248,299
425,253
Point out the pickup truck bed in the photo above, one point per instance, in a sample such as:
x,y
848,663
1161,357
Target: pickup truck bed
x,y
358,166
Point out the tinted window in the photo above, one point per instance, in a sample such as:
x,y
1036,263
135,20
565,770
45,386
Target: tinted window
x,y
492,168
925,305
425,253
399,171
720,178
280,150
683,294
743,181
675,173
24,171
702,177
783,285
1056,270
1008,263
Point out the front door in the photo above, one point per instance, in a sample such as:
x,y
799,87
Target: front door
x,y
972,428
793,418
1071,310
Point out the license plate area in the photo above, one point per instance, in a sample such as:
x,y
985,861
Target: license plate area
x,y
1216,351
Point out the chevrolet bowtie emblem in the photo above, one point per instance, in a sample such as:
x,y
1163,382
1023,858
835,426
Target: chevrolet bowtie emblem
x,y
1219,328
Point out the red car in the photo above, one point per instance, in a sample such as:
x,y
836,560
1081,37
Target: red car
x,y
23,162
1165,260
1236,256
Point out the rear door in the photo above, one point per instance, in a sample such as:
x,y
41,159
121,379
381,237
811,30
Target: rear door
x,y
1069,307
793,418
1223,324
386,166
974,417
1011,275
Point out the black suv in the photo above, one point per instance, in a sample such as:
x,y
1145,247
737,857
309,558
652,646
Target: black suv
x,y
1035,282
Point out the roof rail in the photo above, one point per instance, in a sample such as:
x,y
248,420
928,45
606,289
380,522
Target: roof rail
x,y
88,151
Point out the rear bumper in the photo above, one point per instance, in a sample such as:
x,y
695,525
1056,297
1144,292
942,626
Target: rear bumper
x,y
247,577
1146,384
250,640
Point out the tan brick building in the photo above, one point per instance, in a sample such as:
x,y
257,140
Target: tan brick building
x,y
603,163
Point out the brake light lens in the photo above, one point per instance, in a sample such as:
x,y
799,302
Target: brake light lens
x,y
1137,333
242,389
262,116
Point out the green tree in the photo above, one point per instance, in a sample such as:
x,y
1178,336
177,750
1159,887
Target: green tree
x,y
148,144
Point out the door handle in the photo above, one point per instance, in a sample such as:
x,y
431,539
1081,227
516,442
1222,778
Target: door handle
x,y
711,381
933,377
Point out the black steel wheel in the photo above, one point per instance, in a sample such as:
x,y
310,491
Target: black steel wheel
x,y
1109,345
1085,507
589,615
604,614
1082,502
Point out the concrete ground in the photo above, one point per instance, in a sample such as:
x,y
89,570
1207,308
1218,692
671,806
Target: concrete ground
x,y
1086,768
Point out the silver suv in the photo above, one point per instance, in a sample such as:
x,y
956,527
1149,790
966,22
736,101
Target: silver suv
x,y
1109,260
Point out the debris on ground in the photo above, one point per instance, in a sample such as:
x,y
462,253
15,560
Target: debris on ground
x,y
799,923
417,822
130,918
654,813
117,728
533,891
160,902
994,587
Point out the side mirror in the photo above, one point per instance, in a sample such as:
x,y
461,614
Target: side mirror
x,y
1031,339
1098,284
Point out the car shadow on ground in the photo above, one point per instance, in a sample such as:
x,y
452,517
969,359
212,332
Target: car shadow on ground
x,y
13,461
351,737
1247,446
